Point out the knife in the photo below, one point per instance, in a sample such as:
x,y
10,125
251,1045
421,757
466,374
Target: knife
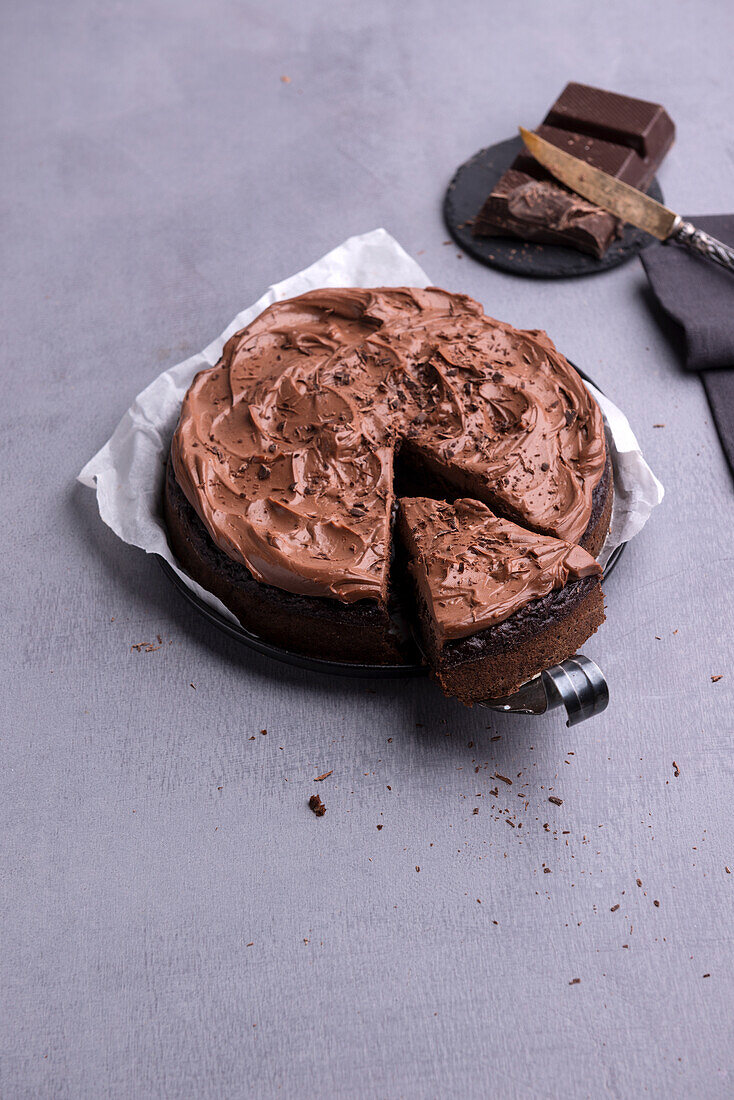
x,y
625,202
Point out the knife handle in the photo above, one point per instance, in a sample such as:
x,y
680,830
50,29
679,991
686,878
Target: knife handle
x,y
695,240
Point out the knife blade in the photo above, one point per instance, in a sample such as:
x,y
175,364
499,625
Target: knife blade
x,y
625,202
603,190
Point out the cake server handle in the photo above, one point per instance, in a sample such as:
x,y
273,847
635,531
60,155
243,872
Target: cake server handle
x,y
695,240
577,684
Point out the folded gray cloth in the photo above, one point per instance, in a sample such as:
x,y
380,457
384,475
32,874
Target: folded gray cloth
x,y
699,296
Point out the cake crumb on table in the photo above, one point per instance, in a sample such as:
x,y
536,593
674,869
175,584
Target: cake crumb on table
x,y
317,805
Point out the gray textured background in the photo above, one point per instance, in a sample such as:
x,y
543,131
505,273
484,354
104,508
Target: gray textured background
x,y
176,922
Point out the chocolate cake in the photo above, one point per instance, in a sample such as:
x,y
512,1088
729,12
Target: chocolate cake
x,y
625,137
496,603
283,470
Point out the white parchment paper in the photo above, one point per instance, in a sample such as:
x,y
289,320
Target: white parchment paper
x,y
128,471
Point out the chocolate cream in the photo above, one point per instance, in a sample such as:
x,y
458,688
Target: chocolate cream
x,y
474,569
286,447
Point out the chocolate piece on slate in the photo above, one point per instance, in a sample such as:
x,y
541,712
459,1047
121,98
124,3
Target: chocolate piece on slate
x,y
625,137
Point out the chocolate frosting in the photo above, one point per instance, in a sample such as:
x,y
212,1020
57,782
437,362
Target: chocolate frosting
x,y
475,570
286,447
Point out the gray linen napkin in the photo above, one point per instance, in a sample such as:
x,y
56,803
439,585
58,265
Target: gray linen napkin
x,y
699,296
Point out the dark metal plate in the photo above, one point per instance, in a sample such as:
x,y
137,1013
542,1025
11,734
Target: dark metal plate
x,y
470,187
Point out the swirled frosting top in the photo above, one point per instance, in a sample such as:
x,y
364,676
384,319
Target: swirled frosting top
x,y
286,447
475,570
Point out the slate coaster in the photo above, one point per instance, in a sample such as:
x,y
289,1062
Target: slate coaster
x,y
470,187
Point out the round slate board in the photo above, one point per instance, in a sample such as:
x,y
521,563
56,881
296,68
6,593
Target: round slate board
x,y
470,187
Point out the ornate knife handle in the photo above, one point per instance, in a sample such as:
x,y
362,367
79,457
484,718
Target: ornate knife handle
x,y
695,240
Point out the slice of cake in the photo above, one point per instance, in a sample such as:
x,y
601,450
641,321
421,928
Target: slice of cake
x,y
496,604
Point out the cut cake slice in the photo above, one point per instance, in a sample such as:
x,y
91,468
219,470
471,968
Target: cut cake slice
x,y
496,604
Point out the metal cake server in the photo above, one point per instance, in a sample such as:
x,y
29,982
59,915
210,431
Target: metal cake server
x,y
577,684
626,202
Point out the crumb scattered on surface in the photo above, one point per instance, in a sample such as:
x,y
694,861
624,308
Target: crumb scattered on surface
x,y
317,805
676,770
285,80
320,778
614,908
715,679
556,801
575,981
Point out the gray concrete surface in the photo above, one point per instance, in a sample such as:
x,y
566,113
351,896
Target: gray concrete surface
x,y
176,923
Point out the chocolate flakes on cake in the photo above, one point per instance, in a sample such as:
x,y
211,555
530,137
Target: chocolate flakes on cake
x,y
290,453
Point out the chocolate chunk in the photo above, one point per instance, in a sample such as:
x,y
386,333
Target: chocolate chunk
x,y
625,137
621,119
539,210
263,473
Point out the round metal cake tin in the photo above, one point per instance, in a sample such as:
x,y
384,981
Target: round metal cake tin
x,y
317,664
466,193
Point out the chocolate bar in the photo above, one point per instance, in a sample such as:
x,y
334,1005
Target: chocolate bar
x,y
625,137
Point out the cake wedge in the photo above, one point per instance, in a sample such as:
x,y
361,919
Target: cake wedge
x,y
495,603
